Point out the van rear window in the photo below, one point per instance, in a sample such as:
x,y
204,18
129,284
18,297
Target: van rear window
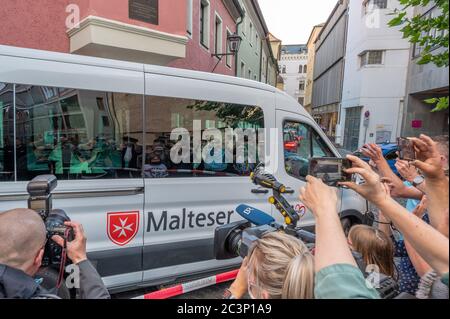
x,y
73,134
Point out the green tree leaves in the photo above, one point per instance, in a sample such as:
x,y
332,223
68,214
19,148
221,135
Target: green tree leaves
x,y
441,103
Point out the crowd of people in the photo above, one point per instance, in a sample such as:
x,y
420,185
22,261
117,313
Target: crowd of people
x,y
408,244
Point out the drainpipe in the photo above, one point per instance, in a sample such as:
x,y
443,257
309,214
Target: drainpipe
x,y
260,59
237,32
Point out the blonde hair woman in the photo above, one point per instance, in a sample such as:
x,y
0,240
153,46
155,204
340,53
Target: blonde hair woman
x,y
279,266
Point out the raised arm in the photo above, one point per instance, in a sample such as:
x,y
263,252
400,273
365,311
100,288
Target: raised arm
x,y
436,183
337,274
420,265
331,243
432,246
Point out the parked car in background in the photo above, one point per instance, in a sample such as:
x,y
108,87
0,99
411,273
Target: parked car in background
x,y
389,152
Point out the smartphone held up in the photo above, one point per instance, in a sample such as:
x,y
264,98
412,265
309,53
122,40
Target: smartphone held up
x,y
330,170
406,149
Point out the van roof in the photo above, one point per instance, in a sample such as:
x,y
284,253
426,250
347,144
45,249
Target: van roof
x,y
125,65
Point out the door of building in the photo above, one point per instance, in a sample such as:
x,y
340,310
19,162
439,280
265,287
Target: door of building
x,y
352,128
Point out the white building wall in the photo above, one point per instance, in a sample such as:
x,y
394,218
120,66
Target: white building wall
x,y
379,89
293,77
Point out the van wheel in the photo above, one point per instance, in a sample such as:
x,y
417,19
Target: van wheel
x,y
347,223
50,278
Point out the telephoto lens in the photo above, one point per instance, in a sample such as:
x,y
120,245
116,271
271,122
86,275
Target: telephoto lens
x,y
236,239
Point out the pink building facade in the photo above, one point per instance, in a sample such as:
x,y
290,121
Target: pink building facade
x,y
163,32
223,19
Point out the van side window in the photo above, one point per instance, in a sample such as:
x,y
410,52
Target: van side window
x,y
166,157
300,143
77,134
6,132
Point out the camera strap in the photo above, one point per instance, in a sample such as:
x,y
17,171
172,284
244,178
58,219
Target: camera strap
x,y
62,266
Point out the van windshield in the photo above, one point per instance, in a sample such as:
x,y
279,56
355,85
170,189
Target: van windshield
x,y
301,143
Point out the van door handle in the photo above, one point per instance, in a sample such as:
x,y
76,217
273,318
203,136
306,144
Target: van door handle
x,y
260,191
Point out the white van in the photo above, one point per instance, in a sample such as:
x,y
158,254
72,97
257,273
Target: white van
x,y
103,128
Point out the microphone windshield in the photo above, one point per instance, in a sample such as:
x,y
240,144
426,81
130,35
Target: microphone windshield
x,y
255,216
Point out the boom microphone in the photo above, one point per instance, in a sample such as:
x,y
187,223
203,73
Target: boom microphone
x,y
255,216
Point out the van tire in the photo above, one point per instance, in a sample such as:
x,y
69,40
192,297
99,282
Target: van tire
x,y
50,277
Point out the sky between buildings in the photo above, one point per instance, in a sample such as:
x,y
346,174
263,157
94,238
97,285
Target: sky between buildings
x,y
292,20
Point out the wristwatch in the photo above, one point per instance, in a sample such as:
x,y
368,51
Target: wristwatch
x,y
418,180
228,294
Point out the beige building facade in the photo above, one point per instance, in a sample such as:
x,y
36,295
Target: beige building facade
x,y
310,74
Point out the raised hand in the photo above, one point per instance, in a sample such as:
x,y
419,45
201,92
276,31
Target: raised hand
x,y
372,189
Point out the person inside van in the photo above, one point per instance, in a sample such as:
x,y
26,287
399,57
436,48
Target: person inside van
x,y
156,169
279,266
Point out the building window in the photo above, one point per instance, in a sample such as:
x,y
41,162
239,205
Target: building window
x,y
244,23
256,43
301,100
263,67
283,69
249,74
371,58
433,13
218,35
300,69
370,5
305,69
189,13
242,69
250,33
301,86
229,59
204,23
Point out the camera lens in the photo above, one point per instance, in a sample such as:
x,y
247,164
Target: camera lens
x,y
234,242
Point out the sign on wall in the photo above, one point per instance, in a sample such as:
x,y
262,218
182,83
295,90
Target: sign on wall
x,y
416,124
144,10
383,133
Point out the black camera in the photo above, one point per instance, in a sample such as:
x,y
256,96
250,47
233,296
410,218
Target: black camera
x,y
236,239
40,200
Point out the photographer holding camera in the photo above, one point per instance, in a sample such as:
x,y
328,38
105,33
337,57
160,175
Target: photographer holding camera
x,y
23,237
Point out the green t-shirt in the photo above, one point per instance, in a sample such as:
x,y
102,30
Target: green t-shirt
x,y
342,281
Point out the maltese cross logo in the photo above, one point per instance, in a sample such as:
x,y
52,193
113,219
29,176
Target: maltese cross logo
x,y
122,227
